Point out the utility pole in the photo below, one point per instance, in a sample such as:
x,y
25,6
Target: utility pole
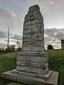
x,y
8,39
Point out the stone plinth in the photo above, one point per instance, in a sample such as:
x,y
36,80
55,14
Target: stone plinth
x,y
14,84
31,79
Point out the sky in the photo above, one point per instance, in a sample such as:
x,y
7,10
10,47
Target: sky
x,y
12,13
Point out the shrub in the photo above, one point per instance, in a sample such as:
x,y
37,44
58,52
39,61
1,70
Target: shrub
x,y
50,47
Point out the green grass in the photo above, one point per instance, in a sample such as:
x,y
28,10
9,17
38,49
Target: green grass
x,y
56,63
7,62
59,54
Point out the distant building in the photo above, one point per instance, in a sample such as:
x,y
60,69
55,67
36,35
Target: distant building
x,y
62,43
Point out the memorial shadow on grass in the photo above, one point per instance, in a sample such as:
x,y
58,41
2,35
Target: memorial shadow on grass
x,y
56,63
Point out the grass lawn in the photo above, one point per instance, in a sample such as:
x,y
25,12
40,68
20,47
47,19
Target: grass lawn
x,y
7,62
56,63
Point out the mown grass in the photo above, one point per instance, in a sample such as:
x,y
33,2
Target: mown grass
x,y
7,62
56,63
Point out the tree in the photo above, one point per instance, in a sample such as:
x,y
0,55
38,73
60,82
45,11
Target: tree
x,y
50,47
0,50
18,49
12,48
18,43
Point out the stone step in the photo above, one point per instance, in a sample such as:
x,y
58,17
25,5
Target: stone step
x,y
13,83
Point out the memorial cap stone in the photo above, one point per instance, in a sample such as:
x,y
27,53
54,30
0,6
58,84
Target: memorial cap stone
x,y
34,8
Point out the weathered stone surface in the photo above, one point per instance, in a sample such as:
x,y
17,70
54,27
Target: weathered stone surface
x,y
32,79
32,62
33,57
13,83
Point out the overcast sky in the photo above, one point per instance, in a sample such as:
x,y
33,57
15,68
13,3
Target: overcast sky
x,y
12,13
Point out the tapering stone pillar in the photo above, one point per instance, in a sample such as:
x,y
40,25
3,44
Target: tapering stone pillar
x,y
33,58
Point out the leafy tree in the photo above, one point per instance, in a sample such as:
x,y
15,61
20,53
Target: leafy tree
x,y
11,48
19,49
18,43
0,50
50,47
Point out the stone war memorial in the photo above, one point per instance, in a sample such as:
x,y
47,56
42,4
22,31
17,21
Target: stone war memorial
x,y
32,63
